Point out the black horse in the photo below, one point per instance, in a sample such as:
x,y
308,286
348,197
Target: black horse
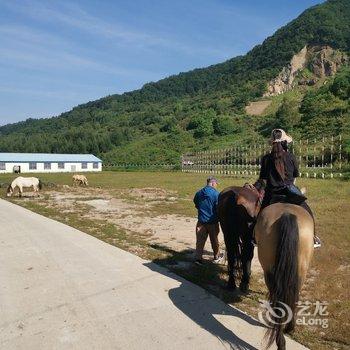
x,y
238,208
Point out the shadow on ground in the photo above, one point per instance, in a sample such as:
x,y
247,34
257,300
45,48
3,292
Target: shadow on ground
x,y
198,304
210,276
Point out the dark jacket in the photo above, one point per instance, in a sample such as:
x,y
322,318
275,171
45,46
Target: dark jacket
x,y
206,201
269,173
278,189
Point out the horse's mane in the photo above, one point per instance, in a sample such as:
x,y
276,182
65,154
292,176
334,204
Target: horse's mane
x,y
245,197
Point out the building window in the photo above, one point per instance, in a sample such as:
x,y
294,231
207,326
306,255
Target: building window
x,y
60,165
32,166
47,166
2,166
84,165
95,165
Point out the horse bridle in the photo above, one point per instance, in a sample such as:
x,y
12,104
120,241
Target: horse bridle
x,y
260,193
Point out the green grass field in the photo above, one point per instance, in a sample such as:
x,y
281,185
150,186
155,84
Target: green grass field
x,y
330,277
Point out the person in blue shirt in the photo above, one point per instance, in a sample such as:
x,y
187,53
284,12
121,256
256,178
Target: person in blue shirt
x,y
206,200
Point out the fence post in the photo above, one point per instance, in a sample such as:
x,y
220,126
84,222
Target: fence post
x,y
242,160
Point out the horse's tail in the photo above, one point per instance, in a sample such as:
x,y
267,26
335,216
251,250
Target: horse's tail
x,y
284,281
40,184
9,189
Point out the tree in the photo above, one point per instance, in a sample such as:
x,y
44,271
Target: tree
x,y
287,115
224,125
341,86
202,125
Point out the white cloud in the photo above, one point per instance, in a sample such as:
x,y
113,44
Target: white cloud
x,y
74,16
26,47
40,93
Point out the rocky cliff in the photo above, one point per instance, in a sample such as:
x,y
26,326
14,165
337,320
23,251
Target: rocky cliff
x,y
320,61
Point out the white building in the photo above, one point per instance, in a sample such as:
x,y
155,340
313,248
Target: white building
x,y
47,162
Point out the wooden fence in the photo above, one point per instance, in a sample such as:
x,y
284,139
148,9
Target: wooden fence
x,y
317,158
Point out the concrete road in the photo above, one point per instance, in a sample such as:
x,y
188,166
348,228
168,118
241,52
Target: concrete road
x,y
63,289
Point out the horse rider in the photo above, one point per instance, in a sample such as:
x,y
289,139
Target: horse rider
x,y
278,173
206,200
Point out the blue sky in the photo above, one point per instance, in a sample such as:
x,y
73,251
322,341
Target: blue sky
x,y
55,55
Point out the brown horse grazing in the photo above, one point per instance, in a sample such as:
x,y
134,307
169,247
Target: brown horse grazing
x,y
237,211
284,234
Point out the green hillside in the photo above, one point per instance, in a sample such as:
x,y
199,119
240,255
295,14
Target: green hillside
x,y
204,107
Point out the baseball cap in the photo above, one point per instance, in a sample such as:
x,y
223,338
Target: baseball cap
x,y
212,179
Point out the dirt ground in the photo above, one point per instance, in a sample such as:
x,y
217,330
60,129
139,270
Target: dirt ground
x,y
132,214
133,211
149,214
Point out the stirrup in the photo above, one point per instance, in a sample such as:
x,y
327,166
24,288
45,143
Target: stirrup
x,y
317,242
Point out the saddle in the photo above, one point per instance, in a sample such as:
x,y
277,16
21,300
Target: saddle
x,y
290,194
251,198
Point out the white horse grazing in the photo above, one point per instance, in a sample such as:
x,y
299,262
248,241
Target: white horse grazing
x,y
21,182
80,180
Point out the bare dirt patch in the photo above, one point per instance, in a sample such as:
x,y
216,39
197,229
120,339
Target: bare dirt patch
x,y
131,210
258,107
152,194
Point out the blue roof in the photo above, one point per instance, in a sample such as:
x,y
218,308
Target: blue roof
x,y
47,157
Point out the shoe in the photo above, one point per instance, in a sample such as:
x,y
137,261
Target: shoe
x,y
244,287
317,242
199,262
219,259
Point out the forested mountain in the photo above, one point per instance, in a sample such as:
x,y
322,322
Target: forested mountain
x,y
206,107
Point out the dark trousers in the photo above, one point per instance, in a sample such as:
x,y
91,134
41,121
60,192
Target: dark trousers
x,y
202,233
281,196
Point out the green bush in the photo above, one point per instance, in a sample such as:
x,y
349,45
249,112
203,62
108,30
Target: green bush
x,y
224,125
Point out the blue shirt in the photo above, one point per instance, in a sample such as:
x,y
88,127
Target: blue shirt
x,y
206,201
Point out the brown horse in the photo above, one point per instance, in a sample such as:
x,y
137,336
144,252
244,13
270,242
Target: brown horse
x,y
284,235
237,211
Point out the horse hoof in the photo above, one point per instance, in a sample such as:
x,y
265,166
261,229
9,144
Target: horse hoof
x,y
231,287
244,287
